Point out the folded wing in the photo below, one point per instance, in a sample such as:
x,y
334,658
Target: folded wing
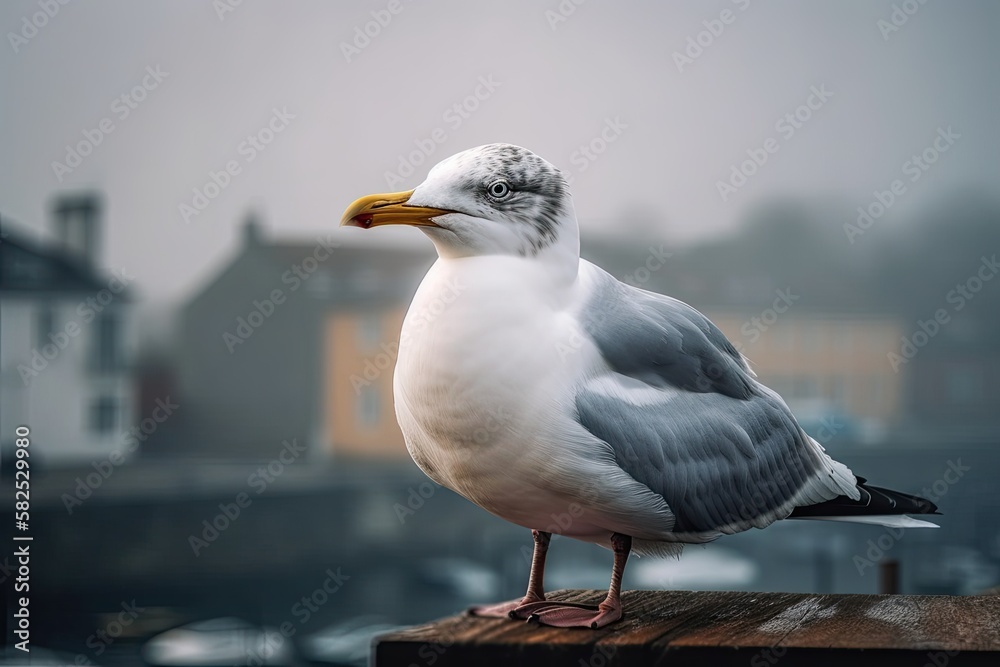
x,y
684,416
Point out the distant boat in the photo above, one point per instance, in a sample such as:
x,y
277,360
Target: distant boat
x,y
219,641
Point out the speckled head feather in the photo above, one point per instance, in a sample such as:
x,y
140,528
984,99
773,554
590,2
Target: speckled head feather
x,y
507,200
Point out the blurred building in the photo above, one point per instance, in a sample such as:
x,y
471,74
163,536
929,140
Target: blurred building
x,y
360,354
295,339
830,368
954,388
67,339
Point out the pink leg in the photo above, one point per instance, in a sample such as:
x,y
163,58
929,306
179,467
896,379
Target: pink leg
x,y
571,615
536,591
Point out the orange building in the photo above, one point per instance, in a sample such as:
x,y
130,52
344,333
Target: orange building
x,y
837,360
359,358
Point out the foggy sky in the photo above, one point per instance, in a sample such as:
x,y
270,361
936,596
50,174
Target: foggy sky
x,y
553,88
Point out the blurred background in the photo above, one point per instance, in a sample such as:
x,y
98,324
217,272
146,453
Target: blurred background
x,y
204,359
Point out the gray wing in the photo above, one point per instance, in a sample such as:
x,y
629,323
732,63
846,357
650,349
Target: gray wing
x,y
662,341
683,416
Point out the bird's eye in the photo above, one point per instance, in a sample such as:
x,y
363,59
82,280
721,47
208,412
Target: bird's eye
x,y
498,189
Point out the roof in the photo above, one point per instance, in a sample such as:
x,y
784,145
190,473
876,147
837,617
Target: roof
x,y
360,275
329,271
29,267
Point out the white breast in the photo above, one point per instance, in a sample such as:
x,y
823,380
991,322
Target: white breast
x,y
485,387
483,358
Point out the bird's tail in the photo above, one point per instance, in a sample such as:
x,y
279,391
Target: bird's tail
x,y
883,507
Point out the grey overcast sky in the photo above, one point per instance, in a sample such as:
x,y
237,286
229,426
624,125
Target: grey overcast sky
x,y
556,83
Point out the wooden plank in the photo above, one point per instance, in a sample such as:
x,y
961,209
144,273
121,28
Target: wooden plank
x,y
716,629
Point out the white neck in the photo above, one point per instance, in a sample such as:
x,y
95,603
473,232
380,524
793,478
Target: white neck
x,y
559,259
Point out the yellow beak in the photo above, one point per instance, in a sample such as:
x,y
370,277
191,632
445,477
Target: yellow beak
x,y
389,209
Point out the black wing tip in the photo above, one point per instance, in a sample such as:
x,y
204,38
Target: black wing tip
x,y
908,503
875,500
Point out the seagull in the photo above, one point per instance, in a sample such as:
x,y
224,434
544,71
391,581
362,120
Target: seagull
x,y
539,387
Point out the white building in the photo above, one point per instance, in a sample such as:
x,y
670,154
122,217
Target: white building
x,y
66,341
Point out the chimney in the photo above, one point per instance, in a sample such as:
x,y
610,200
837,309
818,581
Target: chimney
x,y
253,232
78,225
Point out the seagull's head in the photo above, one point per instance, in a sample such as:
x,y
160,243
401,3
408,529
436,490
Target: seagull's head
x,y
490,200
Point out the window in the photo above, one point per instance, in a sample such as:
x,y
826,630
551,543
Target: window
x,y
104,415
366,280
368,407
320,285
45,325
107,343
24,268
